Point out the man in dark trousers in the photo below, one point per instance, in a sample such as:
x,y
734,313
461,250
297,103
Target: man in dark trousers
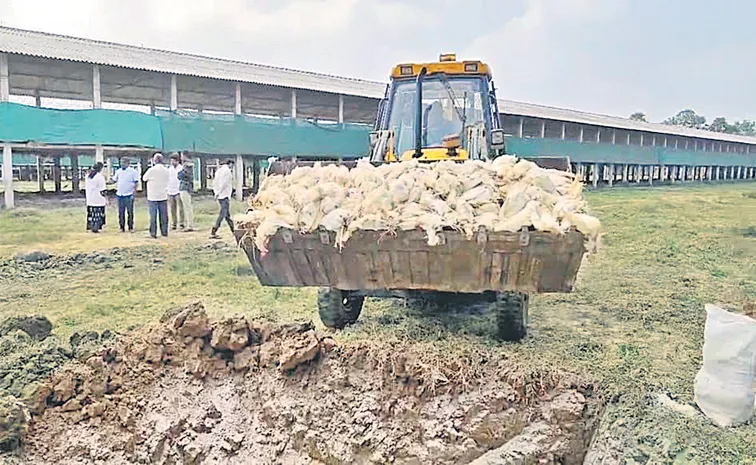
x,y
222,183
126,179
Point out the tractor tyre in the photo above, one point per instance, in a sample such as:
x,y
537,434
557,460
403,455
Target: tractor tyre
x,y
338,308
511,315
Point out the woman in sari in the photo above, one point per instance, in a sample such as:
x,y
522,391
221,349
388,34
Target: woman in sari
x,y
96,201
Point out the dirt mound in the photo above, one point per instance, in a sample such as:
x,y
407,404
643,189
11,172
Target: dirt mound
x,y
189,390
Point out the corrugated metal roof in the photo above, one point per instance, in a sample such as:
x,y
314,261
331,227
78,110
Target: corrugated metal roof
x,y
560,114
45,45
40,44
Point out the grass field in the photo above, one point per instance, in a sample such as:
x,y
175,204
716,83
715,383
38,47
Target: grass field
x,y
634,323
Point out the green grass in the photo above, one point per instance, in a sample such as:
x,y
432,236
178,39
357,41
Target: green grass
x,y
634,323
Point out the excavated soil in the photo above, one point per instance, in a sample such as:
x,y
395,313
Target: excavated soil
x,y
189,391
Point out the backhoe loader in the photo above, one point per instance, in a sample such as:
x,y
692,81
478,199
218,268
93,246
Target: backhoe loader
x,y
445,110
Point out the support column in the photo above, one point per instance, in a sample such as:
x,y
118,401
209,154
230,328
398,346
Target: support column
x,y
595,174
239,168
255,175
144,162
614,136
41,174
520,128
651,170
543,129
564,131
96,94
4,80
638,173
56,174
341,108
581,133
75,173
624,173
10,201
202,173
99,154
238,100
579,172
739,172
611,174
174,93
293,103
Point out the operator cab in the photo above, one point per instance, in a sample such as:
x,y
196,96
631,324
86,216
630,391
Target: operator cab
x,y
445,110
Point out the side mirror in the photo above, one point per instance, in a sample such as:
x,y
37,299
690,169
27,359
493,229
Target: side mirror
x,y
497,139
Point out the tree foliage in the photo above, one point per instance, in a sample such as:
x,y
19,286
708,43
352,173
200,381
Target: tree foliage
x,y
639,116
690,119
687,118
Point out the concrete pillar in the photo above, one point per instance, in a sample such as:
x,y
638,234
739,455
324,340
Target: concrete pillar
x,y
41,173
10,201
611,174
595,174
341,108
614,136
255,175
624,173
520,130
75,173
293,103
99,154
56,174
641,139
665,142
238,99
651,170
716,173
543,129
202,164
598,136
239,169
96,94
564,131
4,80
174,93
638,172
739,172
628,137
581,133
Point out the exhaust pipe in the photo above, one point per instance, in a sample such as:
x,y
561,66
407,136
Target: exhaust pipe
x,y
419,114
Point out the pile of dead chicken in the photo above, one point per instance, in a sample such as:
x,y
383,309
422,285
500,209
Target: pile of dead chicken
x,y
503,195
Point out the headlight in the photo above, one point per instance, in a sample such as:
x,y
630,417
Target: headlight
x,y
497,138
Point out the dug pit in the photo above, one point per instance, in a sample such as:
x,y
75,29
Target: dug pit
x,y
189,390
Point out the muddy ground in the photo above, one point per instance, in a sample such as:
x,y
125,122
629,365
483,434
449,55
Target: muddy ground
x,y
194,391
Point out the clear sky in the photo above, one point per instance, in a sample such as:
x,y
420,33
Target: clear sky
x,y
604,56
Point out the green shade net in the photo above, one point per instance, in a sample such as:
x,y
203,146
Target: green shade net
x,y
242,134
621,154
22,123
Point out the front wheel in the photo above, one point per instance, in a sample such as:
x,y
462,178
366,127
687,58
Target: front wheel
x,y
338,308
511,310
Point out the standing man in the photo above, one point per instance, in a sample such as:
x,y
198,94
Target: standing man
x,y
157,195
186,188
174,201
126,179
222,183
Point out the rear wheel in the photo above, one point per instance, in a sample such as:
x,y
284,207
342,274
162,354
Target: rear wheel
x,y
511,315
338,308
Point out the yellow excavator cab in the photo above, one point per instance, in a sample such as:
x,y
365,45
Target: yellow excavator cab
x,y
444,110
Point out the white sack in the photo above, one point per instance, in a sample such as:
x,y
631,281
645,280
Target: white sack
x,y
724,385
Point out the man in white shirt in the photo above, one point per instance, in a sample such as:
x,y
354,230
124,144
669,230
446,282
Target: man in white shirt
x,y
126,179
157,195
222,183
174,201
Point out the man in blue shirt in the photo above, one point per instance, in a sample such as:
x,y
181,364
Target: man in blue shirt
x,y
126,179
